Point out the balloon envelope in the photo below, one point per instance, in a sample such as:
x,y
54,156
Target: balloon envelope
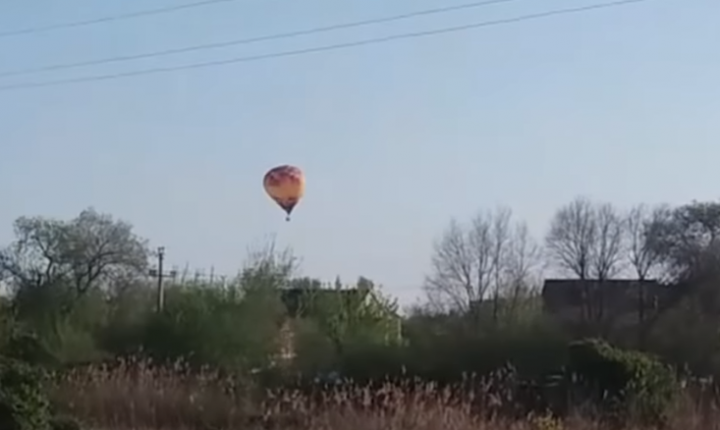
x,y
286,185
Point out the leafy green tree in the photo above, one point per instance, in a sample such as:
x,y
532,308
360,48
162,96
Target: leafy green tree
x,y
52,262
61,274
360,313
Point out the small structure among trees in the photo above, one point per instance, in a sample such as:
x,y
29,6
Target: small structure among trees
x,y
613,301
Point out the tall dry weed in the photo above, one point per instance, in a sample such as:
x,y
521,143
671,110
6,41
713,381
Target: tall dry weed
x,y
136,394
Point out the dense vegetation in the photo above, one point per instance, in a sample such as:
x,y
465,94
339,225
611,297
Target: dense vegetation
x,y
84,342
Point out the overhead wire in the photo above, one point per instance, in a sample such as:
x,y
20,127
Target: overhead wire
x,y
325,48
112,18
245,41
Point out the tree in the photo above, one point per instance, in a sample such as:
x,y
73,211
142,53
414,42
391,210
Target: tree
x,y
360,313
608,252
681,247
523,270
686,239
641,223
238,327
586,239
71,257
686,242
491,257
376,319
572,237
270,267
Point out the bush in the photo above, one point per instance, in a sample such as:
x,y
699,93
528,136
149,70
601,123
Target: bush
x,y
204,326
26,347
63,422
631,384
23,403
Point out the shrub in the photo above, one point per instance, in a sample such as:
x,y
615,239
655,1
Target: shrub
x,y
63,422
26,347
630,384
204,326
23,404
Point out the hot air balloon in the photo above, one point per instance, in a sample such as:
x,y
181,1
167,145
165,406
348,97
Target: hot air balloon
x,y
286,185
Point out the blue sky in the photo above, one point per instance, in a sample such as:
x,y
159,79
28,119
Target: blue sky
x,y
396,139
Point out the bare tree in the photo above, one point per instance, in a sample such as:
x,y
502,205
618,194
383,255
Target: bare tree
x,y
459,276
268,267
492,257
573,236
607,252
498,243
586,239
523,267
642,255
640,222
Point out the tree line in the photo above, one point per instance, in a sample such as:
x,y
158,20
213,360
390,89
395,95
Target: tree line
x,y
79,292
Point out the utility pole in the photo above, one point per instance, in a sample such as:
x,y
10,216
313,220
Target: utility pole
x,y
160,291
160,274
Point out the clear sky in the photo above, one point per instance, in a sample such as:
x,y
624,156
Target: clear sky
x,y
395,139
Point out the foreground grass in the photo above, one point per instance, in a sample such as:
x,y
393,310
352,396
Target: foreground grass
x,y
136,395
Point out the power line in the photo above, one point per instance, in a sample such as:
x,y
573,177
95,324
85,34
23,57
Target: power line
x,y
113,18
207,46
339,46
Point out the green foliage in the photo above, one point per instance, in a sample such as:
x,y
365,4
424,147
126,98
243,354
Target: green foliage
x,y
633,384
61,274
446,348
73,302
315,352
128,315
343,316
53,336
78,255
23,403
64,423
26,347
207,326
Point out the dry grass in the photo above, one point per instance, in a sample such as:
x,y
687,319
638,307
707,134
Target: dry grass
x,y
136,395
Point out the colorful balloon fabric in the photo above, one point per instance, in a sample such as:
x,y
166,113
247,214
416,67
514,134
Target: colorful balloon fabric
x,y
286,186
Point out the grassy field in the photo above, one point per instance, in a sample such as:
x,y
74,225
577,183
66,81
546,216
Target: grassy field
x,y
138,396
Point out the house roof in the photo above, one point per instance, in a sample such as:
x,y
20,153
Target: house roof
x,y
298,301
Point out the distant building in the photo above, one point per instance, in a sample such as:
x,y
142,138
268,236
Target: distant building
x,y
619,300
302,302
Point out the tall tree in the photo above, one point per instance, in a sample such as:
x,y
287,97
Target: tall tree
x,y
686,242
608,251
586,239
687,239
641,222
491,257
90,251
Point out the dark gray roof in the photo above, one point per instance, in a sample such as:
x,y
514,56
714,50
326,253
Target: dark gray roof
x,y
559,294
